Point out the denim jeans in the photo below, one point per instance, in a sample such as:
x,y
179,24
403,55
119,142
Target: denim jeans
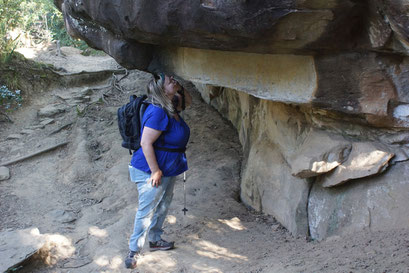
x,y
152,209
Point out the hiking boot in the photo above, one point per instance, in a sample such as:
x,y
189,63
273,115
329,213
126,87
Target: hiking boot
x,y
130,260
161,245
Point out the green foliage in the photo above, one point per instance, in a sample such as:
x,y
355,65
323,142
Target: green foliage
x,y
92,52
43,20
58,32
10,16
40,19
10,13
9,99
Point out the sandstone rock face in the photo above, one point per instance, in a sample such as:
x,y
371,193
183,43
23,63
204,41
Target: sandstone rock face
x,y
377,203
318,91
283,145
310,161
366,87
364,160
266,130
267,185
285,78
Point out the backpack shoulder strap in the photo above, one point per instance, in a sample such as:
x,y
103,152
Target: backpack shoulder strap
x,y
144,105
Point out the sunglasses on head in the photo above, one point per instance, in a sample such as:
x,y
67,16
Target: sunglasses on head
x,y
159,76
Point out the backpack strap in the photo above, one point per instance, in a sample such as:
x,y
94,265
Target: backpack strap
x,y
140,108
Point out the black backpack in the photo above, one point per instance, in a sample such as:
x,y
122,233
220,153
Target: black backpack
x,y
129,123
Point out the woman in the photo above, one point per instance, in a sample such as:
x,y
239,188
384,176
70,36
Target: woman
x,y
156,164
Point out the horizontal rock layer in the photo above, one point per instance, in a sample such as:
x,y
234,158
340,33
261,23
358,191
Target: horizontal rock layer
x,y
369,88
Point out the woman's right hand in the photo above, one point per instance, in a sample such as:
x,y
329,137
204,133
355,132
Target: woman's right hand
x,y
155,178
149,136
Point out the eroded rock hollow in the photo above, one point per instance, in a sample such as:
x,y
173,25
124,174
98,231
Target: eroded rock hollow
x,y
318,91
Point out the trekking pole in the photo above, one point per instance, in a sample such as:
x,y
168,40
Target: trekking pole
x,y
184,193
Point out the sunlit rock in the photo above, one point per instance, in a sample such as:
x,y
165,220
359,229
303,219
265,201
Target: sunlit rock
x,y
284,78
364,160
4,173
17,246
319,153
401,114
372,203
51,110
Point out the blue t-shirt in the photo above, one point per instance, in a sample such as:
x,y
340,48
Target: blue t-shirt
x,y
175,134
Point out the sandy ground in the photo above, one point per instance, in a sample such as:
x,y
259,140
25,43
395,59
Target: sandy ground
x,y
80,195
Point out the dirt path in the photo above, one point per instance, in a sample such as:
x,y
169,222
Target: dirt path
x,y
81,195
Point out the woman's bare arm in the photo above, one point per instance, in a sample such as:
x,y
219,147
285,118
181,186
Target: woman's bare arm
x,y
149,136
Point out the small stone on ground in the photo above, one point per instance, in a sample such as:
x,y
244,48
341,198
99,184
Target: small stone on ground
x,y
4,173
14,136
47,121
51,110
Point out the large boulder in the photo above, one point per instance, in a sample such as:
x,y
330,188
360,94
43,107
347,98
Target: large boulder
x,y
375,203
267,185
310,85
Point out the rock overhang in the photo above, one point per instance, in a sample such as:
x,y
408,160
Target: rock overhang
x,y
265,27
343,62
292,51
